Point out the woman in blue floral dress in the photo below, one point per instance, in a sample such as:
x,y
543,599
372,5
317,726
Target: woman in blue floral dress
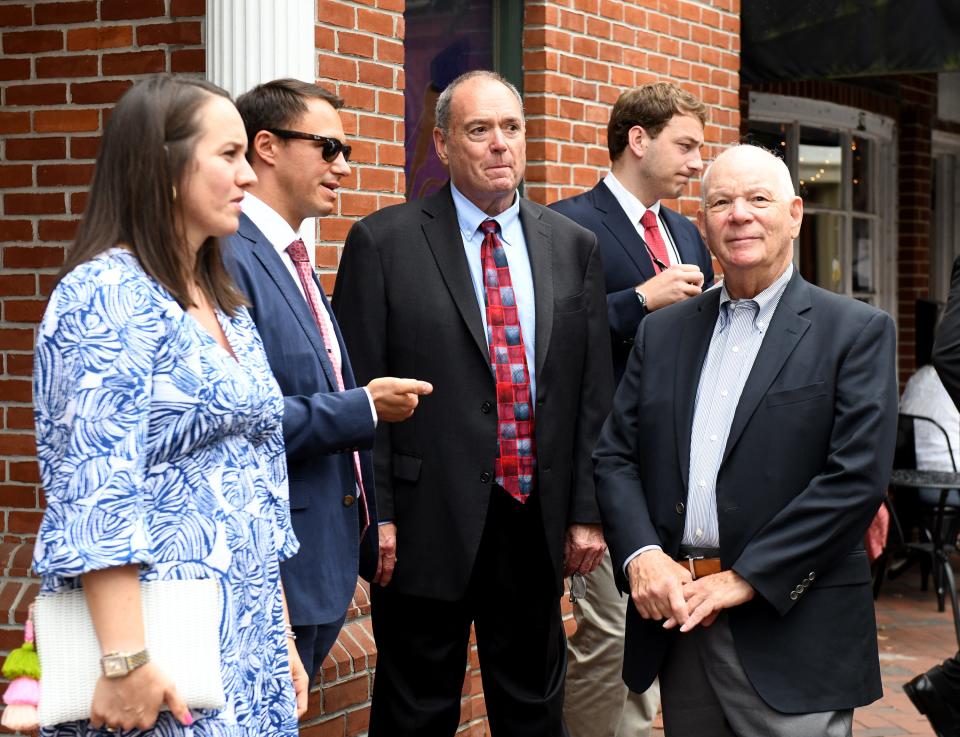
x,y
159,423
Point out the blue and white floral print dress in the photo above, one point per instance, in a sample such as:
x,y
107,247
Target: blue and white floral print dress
x,y
158,448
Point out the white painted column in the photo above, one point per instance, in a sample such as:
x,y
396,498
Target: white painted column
x,y
254,41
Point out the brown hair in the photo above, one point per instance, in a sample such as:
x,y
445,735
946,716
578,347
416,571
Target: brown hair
x,y
651,107
146,147
275,105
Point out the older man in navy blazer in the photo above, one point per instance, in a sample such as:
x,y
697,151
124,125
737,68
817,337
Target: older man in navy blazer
x,y
296,147
749,448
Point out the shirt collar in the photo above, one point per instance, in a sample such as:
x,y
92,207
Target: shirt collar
x,y
633,207
271,223
469,216
766,302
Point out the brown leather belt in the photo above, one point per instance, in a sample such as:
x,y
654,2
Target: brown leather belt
x,y
700,567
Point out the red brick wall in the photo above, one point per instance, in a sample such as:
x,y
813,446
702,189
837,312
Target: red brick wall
x,y
580,55
915,202
360,57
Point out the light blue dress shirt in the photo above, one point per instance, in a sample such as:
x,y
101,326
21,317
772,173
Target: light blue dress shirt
x,y
741,325
469,217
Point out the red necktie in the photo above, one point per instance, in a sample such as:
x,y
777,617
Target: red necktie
x,y
654,241
516,461
298,254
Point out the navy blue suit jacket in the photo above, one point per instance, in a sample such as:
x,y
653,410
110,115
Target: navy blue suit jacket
x,y
626,261
321,428
804,470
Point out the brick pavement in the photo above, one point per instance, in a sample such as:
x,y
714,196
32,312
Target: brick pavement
x,y
913,636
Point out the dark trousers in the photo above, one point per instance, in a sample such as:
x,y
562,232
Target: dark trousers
x,y
314,642
513,603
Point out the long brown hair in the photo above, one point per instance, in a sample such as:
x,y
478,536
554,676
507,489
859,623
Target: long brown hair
x,y
146,147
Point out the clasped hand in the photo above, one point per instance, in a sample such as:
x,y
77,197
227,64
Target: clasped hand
x,y
663,589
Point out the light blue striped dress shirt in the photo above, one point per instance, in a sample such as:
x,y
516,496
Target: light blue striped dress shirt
x,y
737,335
741,325
469,217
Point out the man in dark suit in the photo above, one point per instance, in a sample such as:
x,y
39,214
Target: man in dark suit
x,y
936,692
652,258
296,149
749,447
498,302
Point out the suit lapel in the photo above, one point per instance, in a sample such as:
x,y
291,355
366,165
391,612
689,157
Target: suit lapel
x,y
693,341
443,236
270,260
615,220
538,236
785,330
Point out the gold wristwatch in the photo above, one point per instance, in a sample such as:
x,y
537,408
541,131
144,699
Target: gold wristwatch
x,y
118,665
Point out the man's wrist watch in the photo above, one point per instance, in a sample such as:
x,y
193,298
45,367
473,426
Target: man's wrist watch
x,y
642,297
118,665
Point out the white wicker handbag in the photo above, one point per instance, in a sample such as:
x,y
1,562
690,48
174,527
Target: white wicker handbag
x,y
181,622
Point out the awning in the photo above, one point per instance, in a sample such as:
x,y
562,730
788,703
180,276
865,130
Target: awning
x,y
822,39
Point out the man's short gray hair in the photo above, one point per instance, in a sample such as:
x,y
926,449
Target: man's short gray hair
x,y
785,181
443,102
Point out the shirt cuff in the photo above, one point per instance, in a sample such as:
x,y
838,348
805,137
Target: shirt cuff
x,y
633,555
384,522
373,407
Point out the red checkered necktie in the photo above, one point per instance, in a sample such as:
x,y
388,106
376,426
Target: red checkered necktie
x,y
654,241
516,461
298,254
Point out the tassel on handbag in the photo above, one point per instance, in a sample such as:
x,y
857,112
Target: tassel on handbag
x,y
22,696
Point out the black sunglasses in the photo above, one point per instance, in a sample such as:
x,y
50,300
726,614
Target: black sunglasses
x,y
332,147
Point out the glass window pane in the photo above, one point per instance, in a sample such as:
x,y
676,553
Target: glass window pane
x,y
863,256
820,250
772,136
443,39
861,150
820,161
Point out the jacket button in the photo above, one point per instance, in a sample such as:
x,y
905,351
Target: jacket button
x,y
348,501
811,575
794,596
484,478
798,590
679,507
805,582
486,407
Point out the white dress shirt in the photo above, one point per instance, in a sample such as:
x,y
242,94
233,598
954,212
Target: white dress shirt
x,y
280,234
635,210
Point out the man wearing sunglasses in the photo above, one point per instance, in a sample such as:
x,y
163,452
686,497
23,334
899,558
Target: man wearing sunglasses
x,y
653,257
296,147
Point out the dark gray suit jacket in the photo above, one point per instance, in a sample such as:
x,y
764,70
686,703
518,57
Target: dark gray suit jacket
x,y
805,468
407,306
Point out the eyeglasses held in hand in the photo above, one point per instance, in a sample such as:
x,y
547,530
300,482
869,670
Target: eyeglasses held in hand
x,y
332,147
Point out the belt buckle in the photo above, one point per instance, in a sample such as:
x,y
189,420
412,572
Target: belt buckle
x,y
690,559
